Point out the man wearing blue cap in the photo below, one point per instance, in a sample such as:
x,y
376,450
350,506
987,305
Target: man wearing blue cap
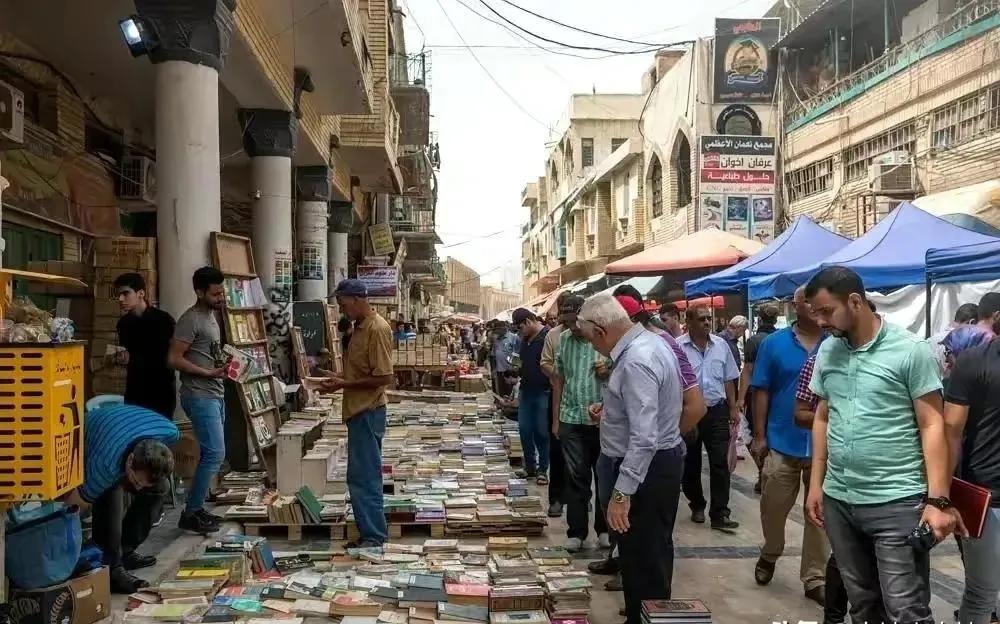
x,y
367,372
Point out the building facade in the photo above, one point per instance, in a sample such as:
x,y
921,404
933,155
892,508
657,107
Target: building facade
x,y
493,301
463,291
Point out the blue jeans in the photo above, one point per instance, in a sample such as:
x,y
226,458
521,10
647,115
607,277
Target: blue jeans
x,y
533,425
207,417
364,473
982,582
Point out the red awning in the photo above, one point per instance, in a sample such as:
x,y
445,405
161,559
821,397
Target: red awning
x,y
705,248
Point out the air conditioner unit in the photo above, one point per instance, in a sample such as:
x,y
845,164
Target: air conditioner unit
x,y
898,157
137,181
891,179
11,113
623,225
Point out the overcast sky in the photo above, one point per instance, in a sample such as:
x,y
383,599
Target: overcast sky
x,y
490,143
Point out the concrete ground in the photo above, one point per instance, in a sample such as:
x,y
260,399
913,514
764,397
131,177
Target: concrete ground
x,y
712,566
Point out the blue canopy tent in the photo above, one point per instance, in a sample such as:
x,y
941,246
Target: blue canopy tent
x,y
892,254
803,243
971,263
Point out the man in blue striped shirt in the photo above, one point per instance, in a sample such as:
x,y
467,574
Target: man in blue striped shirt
x,y
126,448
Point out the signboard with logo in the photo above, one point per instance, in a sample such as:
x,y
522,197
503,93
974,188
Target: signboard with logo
x,y
745,66
737,184
381,235
381,281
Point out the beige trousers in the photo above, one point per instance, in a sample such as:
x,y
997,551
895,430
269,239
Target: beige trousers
x,y
779,492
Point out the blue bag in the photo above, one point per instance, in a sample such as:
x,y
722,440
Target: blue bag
x,y
43,545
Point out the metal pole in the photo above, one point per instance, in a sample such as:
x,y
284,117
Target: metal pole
x,y
885,24
927,308
836,53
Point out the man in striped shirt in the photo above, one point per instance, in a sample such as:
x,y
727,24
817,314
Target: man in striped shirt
x,y
126,449
575,389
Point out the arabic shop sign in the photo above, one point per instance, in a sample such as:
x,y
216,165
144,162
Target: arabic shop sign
x,y
745,66
737,186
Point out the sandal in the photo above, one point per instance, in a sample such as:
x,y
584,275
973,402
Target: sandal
x,y
542,480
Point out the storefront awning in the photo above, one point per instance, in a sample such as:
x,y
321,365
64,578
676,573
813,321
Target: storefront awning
x,y
706,248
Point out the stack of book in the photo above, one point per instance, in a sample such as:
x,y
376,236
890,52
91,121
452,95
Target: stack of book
x,y
568,594
675,612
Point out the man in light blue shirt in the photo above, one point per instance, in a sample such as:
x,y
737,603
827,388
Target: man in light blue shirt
x,y
717,373
641,447
505,343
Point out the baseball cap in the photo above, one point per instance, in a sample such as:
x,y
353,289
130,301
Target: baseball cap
x,y
351,288
631,306
571,304
521,315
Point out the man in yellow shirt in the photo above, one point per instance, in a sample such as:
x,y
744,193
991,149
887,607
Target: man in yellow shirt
x,y
367,372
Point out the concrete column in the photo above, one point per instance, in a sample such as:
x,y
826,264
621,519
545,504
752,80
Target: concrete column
x,y
341,219
269,139
314,187
194,37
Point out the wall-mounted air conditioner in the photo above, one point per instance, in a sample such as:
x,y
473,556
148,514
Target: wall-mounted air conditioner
x,y
137,181
891,179
11,113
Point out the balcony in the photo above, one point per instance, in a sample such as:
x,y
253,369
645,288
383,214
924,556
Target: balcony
x,y
369,144
412,215
529,196
408,75
418,174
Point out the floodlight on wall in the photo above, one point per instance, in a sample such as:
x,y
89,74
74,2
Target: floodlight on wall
x,y
139,35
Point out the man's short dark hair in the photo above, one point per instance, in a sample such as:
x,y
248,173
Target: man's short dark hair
x,y
967,313
205,277
153,458
671,309
692,311
838,281
571,304
989,305
768,313
130,280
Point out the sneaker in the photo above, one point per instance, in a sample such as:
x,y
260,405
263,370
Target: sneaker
x,y
124,583
209,515
159,520
725,525
192,521
763,572
604,540
555,509
574,544
135,561
605,567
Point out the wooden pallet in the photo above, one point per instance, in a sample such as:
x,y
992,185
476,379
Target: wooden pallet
x,y
294,532
398,530
484,530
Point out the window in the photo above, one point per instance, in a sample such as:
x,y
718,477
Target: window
x,y
587,152
682,165
810,180
857,158
656,187
616,143
966,119
570,228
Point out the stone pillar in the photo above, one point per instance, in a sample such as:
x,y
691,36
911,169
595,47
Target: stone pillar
x,y
269,140
194,38
341,219
314,187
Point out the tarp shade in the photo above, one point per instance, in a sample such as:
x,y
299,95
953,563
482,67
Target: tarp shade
x,y
970,263
643,283
705,248
891,255
803,243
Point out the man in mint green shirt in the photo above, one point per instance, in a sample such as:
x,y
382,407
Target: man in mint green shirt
x,y
880,456
575,389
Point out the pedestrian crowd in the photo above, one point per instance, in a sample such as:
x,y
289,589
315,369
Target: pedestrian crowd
x,y
868,422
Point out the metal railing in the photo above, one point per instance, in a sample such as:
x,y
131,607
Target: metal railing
x,y
410,69
968,14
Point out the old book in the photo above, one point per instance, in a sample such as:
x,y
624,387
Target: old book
x,y
519,617
281,606
354,604
308,607
463,613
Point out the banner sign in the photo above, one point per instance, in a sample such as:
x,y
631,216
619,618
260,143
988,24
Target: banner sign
x,y
381,281
381,235
736,192
746,69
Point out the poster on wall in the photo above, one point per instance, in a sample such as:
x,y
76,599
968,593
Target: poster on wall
x,y
382,243
737,175
763,218
710,210
738,215
381,281
745,65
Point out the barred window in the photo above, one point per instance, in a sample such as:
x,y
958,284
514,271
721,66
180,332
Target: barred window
x,y
966,119
587,152
810,180
857,158
616,143
656,184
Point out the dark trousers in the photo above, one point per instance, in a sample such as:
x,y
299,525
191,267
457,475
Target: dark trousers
x,y
646,550
713,432
581,446
118,531
835,611
887,580
605,475
557,467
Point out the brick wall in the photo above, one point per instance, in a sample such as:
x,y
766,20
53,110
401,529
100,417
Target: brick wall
x,y
463,283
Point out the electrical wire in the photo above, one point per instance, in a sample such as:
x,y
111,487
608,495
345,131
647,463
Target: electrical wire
x,y
564,25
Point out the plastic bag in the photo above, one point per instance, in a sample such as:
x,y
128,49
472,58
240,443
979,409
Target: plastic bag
x,y
62,330
734,441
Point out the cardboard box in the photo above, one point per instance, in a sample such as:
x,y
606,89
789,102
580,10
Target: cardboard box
x,y
82,600
125,244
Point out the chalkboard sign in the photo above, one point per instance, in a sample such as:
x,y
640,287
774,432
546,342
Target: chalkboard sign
x,y
310,317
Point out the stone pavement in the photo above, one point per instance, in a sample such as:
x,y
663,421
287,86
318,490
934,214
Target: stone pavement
x,y
713,566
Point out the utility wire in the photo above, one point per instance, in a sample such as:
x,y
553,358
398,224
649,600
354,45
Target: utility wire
x,y
564,25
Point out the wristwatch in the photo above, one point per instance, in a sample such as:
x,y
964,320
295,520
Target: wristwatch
x,y
618,497
941,502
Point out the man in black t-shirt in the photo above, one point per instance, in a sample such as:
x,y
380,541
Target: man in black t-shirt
x,y
145,332
972,417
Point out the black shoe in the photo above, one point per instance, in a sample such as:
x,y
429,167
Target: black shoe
x,y
135,561
725,525
614,584
763,572
211,517
197,524
606,567
698,516
555,509
817,594
124,583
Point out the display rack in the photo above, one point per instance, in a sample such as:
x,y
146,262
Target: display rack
x,y
244,331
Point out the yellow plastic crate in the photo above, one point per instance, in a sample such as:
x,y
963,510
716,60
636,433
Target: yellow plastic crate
x,y
41,420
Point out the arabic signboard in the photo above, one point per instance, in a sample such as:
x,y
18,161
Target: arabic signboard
x,y
745,66
736,192
381,281
381,235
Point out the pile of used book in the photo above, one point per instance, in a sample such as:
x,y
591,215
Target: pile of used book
x,y
681,611
240,578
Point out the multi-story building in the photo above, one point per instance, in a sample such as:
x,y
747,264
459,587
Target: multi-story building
x,y
462,292
493,301
888,102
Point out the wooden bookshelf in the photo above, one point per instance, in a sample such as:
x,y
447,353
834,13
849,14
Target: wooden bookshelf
x,y
244,330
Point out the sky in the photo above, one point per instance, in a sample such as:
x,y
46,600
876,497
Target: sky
x,y
492,115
